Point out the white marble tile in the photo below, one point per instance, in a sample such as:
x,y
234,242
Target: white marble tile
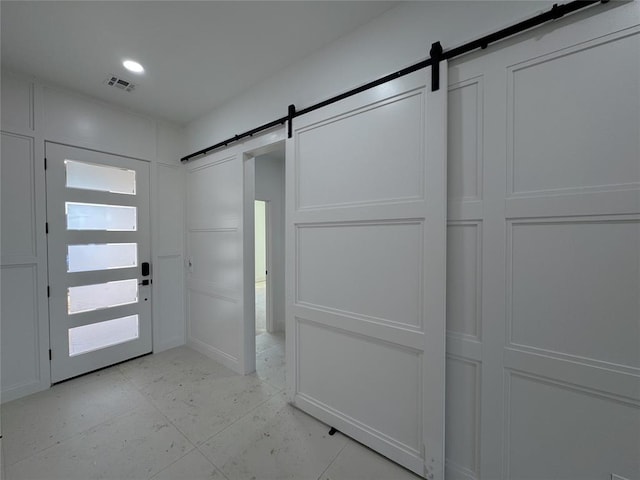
x,y
275,441
38,421
202,409
193,466
264,341
261,307
136,445
271,368
159,374
357,462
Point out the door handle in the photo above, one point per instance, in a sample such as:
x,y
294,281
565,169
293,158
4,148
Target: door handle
x,y
146,268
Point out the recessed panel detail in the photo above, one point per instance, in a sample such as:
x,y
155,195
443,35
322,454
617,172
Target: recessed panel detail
x,y
569,134
332,362
373,270
464,278
464,146
462,413
574,288
383,144
579,434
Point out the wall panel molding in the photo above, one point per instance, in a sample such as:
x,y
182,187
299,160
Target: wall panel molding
x,y
464,279
567,413
465,145
542,253
21,374
464,411
395,127
19,243
615,384
18,104
533,87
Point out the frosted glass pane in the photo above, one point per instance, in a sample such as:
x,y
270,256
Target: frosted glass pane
x,y
91,216
86,258
102,295
96,336
102,178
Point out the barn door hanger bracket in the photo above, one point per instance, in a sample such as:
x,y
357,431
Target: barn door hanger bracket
x,y
436,57
290,115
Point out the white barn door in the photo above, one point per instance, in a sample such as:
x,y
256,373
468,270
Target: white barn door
x,y
543,352
366,205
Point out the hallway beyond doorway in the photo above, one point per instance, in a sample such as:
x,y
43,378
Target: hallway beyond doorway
x,y
261,307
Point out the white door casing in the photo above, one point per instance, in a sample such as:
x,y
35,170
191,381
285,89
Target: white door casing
x,y
366,205
220,242
64,278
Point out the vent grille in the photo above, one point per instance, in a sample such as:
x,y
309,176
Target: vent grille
x,y
120,83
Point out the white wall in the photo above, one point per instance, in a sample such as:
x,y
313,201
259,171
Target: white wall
x,y
33,113
400,37
269,185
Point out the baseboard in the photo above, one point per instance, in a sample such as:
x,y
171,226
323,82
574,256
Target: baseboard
x,y
215,354
454,471
19,391
166,345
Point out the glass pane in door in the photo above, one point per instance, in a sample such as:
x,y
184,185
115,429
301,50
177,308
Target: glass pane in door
x,y
93,216
87,298
106,256
95,336
103,178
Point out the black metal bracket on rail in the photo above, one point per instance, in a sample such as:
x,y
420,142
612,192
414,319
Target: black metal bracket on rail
x,y
290,116
437,55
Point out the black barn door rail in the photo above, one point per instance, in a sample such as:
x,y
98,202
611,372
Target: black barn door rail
x,y
437,54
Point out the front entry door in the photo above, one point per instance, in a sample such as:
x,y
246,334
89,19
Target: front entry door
x,y
99,275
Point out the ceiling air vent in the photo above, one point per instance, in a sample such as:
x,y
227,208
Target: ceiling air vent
x,y
120,83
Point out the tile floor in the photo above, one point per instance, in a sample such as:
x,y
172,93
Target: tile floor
x,y
178,415
261,307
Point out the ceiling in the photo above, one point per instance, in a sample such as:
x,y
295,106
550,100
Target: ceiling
x,y
196,55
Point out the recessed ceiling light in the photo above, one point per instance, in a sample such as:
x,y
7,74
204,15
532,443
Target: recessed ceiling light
x,y
132,66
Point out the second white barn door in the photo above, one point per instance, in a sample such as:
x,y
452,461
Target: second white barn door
x,y
366,269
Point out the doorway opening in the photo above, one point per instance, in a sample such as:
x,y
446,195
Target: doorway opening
x,y
269,234
263,313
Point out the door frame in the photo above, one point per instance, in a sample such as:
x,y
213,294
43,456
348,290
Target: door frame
x,y
96,358
269,266
248,152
